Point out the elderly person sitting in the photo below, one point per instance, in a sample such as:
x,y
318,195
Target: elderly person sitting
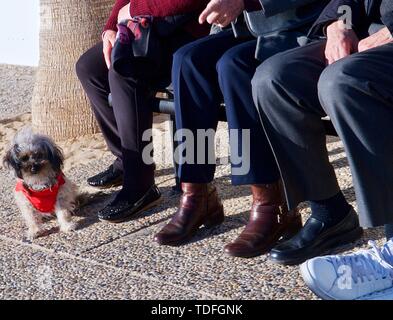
x,y
131,115
347,75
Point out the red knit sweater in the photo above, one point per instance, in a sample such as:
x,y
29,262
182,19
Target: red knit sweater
x,y
161,8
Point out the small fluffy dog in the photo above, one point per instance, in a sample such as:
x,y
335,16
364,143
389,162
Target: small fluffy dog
x,y
41,189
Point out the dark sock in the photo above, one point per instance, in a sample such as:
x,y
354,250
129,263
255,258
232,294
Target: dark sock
x,y
138,178
331,211
389,231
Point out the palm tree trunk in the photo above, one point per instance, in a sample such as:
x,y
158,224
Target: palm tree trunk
x,y
68,28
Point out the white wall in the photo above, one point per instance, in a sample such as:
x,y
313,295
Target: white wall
x,y
19,29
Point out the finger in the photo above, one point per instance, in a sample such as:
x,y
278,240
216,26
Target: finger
x,y
223,24
331,54
373,42
203,16
205,13
107,56
329,58
388,41
213,18
226,22
112,41
362,47
223,21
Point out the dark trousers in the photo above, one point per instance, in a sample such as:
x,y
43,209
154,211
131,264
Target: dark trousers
x,y
217,69
123,125
293,90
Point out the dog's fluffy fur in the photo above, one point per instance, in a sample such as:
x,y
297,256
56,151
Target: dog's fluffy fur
x,y
37,160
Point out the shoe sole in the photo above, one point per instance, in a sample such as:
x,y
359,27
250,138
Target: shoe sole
x,y
177,243
185,240
284,234
386,294
256,253
108,186
133,216
329,246
251,255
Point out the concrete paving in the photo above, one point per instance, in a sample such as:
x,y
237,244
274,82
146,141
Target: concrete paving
x,y
121,261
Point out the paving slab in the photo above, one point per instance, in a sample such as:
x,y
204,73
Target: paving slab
x,y
31,272
202,264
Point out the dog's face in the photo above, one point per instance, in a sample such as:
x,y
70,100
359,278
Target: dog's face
x,y
34,158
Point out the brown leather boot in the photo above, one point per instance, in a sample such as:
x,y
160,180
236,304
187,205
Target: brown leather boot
x,y
269,221
199,205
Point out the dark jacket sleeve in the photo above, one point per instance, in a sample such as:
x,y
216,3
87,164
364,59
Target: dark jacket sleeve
x,y
332,13
273,7
387,14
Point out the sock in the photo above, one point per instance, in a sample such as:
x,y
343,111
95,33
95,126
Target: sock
x,y
389,231
330,211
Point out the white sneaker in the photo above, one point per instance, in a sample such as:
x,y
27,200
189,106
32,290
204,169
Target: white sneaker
x,y
352,276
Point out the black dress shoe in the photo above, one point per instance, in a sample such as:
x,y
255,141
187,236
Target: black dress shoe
x,y
316,239
123,210
108,179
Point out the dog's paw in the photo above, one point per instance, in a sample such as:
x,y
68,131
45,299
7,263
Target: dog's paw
x,y
32,234
68,227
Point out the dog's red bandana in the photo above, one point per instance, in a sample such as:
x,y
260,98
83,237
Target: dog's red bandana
x,y
43,200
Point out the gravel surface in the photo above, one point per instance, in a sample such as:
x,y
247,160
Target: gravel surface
x,y
102,261
29,272
16,89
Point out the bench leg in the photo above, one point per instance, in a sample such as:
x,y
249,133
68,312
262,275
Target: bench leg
x,y
176,189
